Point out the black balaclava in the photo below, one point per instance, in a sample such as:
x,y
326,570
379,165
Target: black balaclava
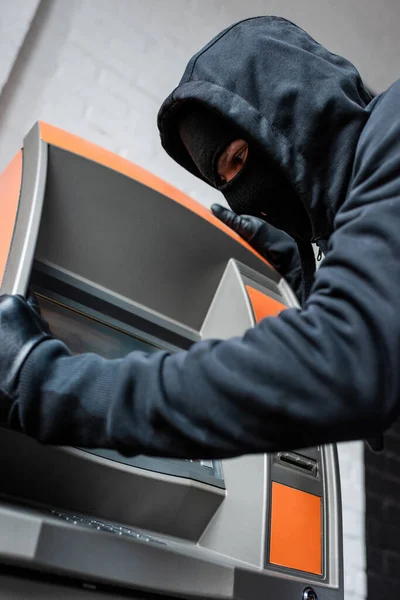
x,y
259,189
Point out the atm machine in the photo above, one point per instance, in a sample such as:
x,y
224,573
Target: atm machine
x,y
121,261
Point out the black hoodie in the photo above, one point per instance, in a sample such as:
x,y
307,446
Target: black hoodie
x,y
304,105
329,372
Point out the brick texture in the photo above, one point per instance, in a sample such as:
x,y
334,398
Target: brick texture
x,y
382,484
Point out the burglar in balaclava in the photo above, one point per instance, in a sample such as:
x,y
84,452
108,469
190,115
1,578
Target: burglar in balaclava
x,y
289,135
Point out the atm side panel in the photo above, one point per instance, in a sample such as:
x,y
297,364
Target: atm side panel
x,y
25,180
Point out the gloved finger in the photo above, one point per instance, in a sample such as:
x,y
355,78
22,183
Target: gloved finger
x,y
246,226
224,214
228,217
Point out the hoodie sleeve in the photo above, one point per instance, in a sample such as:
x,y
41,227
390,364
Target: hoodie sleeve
x,y
327,373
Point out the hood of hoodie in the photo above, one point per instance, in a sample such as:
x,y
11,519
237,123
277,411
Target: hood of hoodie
x,y
304,105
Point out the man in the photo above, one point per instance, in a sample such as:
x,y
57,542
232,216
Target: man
x,y
287,132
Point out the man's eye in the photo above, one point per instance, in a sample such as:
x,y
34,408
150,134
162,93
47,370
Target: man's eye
x,y
232,161
239,158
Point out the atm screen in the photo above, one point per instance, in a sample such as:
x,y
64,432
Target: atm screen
x,y
83,333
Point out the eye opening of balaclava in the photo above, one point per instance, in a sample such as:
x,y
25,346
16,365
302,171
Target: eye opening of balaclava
x,y
259,188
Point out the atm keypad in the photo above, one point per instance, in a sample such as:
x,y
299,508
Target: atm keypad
x,y
106,527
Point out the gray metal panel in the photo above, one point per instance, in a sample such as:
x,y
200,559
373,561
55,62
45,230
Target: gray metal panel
x,y
230,313
19,264
310,452
239,527
333,516
101,557
134,231
174,569
266,586
210,474
17,587
265,284
139,565
73,480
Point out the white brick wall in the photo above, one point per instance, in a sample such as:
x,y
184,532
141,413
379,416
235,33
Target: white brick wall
x,y
15,20
101,68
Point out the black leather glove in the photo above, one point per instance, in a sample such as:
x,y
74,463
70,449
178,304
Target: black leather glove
x,y
21,330
251,229
279,249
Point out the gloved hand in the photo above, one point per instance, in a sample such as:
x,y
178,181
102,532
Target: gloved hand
x,y
21,330
251,229
278,248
